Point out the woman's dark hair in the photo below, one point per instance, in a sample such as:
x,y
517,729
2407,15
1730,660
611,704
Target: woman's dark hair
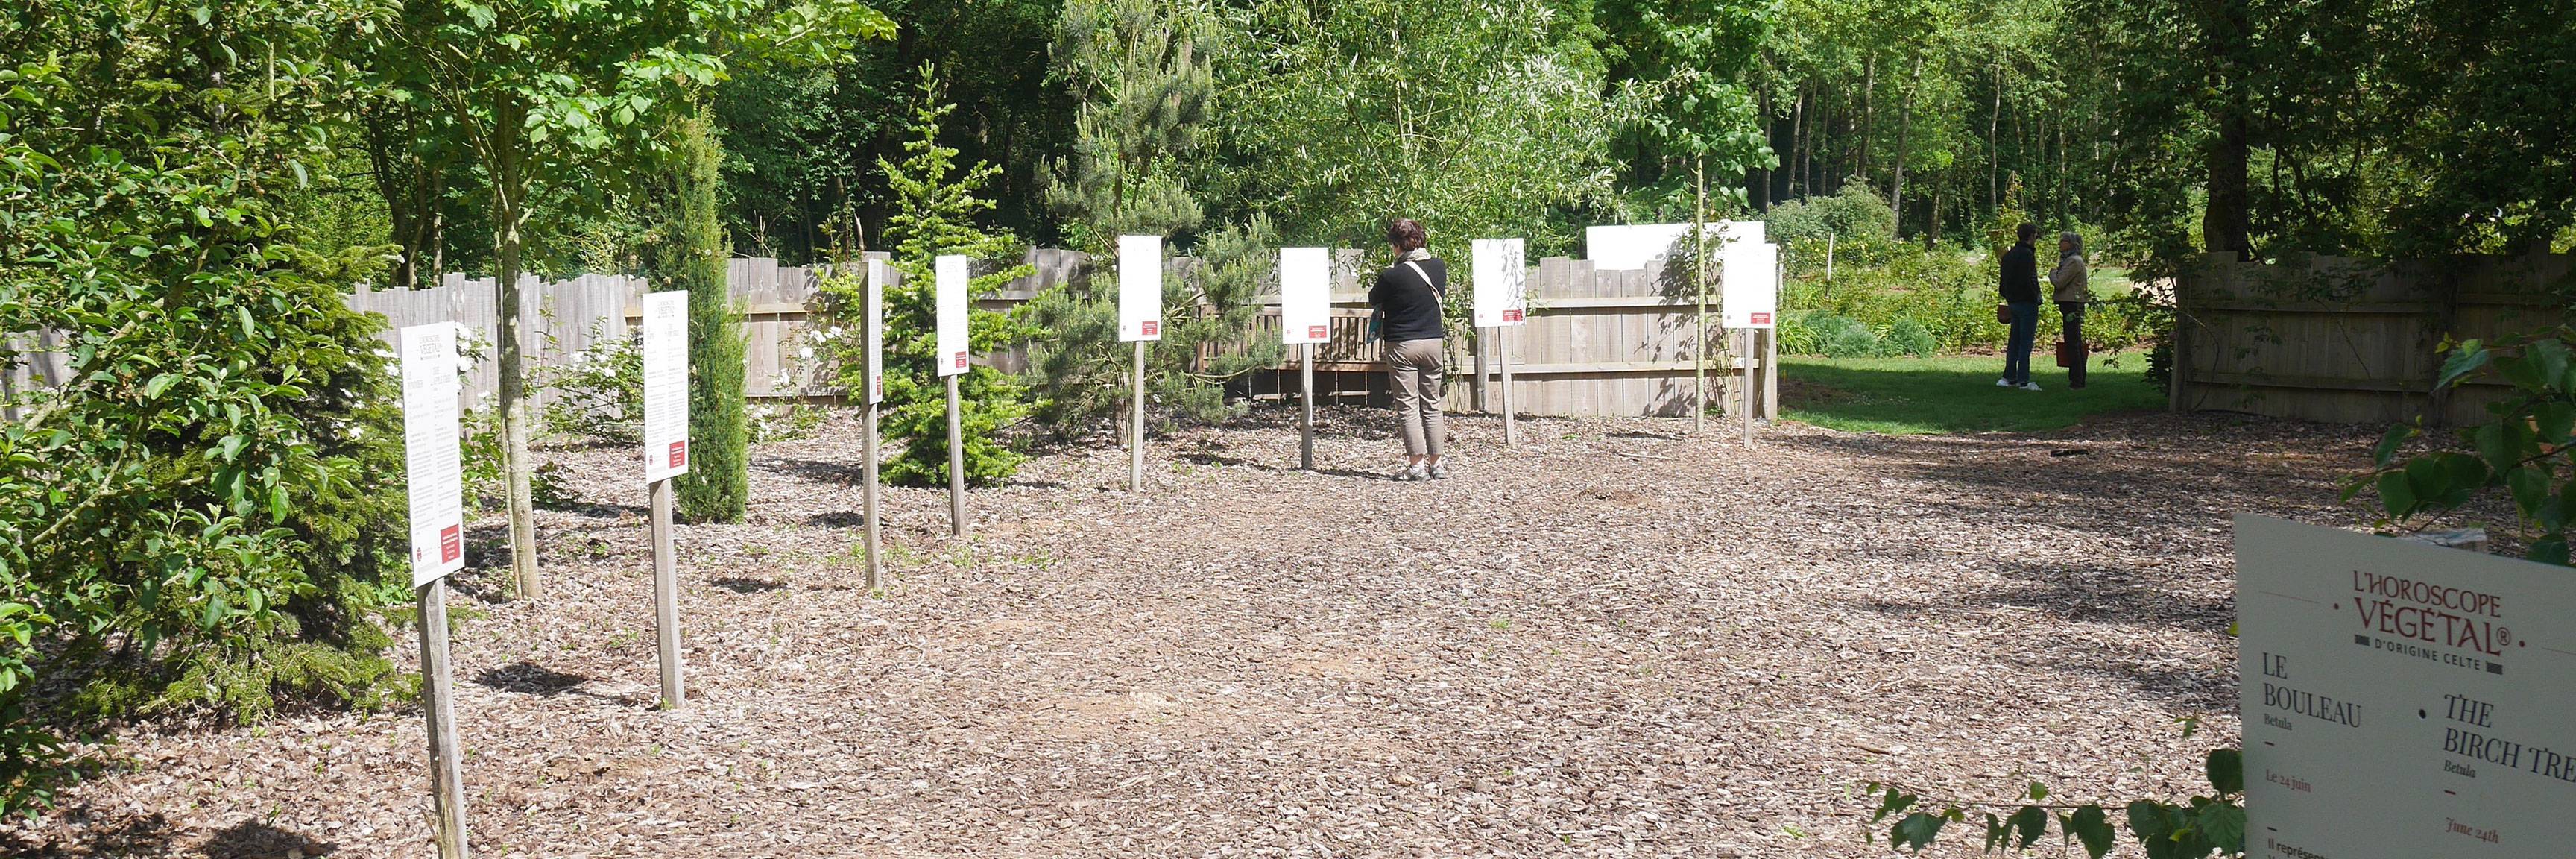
x,y
1406,234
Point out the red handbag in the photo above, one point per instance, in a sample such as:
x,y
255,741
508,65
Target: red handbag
x,y
2069,355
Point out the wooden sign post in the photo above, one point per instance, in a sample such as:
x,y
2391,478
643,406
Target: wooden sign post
x,y
434,477
872,319
1305,319
666,456
1749,286
1502,302
1699,286
951,345
1140,321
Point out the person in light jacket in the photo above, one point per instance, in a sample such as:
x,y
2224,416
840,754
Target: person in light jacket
x,y
2072,288
1408,297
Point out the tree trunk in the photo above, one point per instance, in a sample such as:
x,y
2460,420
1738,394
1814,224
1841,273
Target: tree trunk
x,y
1995,157
515,418
1798,146
1868,110
1904,129
1933,238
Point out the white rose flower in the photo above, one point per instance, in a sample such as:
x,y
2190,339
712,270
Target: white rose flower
x,y
805,352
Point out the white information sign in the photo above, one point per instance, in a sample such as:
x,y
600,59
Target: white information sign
x,y
431,466
1502,276
1140,288
875,334
950,339
666,385
1748,282
1305,295
2401,699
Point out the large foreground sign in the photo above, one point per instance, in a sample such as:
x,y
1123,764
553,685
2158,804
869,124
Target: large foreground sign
x,y
666,385
432,467
2402,700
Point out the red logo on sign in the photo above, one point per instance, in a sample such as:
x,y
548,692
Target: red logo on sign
x,y
1511,316
451,543
961,360
679,454
1761,319
1319,332
1151,327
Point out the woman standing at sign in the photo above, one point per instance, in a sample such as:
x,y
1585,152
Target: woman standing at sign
x,y
1407,296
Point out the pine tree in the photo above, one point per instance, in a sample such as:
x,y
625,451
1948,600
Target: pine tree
x,y
1140,70
689,253
934,214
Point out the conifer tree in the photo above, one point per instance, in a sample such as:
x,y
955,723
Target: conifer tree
x,y
689,253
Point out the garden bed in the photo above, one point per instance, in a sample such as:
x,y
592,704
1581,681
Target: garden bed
x,y
1620,639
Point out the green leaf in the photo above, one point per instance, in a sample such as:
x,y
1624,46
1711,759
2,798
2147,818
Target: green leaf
x,y
2031,822
2549,358
2555,421
2530,489
2091,827
1997,834
2389,443
2223,825
2549,550
1916,831
1894,801
2036,792
2226,769
2396,495
2467,358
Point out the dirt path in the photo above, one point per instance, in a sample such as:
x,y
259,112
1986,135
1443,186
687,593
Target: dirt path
x,y
1616,641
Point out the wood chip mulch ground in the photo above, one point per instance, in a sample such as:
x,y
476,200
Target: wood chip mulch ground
x,y
1619,639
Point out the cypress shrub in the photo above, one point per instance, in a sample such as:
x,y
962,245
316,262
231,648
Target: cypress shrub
x,y
689,253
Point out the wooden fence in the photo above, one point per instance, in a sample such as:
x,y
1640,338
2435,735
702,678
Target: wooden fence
x,y
2348,340
1598,343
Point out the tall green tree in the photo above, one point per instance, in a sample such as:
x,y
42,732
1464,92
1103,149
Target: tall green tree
x,y
688,252
1485,124
205,512
936,207
1140,70
574,97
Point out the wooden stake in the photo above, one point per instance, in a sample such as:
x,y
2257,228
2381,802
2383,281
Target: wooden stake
x,y
1503,355
1136,426
868,498
956,465
1770,374
666,598
1476,394
1306,411
1744,381
1699,284
446,774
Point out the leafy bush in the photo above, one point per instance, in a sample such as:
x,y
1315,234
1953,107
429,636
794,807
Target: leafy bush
x,y
1908,337
2194,828
206,514
599,394
2528,451
1843,336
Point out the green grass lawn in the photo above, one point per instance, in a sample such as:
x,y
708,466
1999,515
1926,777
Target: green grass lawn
x,y
1954,393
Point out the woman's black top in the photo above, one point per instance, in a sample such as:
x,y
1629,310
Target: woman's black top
x,y
1409,308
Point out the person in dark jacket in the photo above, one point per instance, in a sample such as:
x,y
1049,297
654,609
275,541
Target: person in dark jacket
x,y
2020,288
1408,296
